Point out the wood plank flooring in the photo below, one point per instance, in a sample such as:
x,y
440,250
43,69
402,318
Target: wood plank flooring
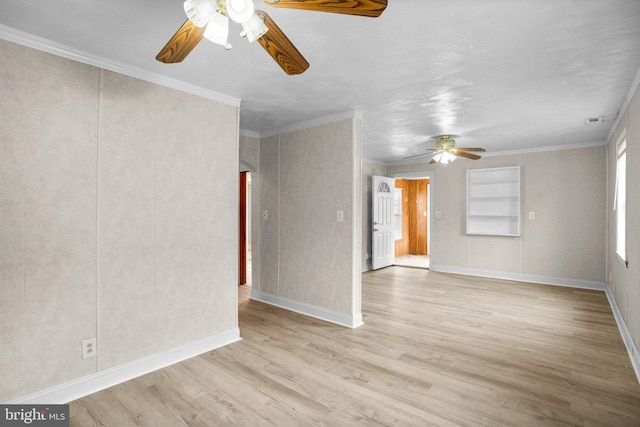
x,y
436,349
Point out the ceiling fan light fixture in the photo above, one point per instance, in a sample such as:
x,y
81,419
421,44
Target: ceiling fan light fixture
x,y
217,30
240,11
254,28
200,12
444,157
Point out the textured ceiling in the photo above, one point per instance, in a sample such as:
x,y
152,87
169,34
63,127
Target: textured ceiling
x,y
502,74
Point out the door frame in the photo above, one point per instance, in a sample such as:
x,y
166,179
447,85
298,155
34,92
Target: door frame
x,y
423,175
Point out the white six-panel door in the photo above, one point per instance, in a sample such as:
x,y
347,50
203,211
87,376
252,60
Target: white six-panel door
x,y
382,241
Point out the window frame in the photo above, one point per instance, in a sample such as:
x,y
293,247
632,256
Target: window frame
x,y
620,199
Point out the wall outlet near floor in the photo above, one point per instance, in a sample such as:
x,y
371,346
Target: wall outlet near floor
x,y
532,215
89,348
340,216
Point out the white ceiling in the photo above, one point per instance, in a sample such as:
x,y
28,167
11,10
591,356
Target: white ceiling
x,y
502,74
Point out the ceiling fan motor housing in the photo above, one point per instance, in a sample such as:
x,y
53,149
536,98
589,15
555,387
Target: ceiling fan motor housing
x,y
445,142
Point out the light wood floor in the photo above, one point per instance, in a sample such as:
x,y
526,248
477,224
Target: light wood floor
x,y
435,349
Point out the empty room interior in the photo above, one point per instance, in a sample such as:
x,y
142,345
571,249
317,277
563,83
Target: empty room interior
x,y
313,212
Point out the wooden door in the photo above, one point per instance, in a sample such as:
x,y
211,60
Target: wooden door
x,y
242,232
402,245
421,217
415,220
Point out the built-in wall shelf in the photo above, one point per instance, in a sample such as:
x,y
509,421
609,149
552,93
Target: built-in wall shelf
x,y
493,201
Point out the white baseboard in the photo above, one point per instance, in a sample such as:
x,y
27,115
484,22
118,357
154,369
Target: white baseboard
x,y
72,390
624,332
309,310
518,277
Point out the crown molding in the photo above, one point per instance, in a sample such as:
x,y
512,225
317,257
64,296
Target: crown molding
x,y
312,123
514,152
635,84
545,149
373,162
29,40
249,134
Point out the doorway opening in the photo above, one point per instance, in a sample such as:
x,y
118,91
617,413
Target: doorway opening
x,y
411,214
244,246
423,210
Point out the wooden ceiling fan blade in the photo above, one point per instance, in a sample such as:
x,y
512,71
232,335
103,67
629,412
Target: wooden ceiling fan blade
x,y
182,42
280,48
370,8
472,149
467,155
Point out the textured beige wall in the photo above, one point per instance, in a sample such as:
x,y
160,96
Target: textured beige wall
x,y
250,152
118,203
625,282
305,177
48,218
567,191
269,203
566,240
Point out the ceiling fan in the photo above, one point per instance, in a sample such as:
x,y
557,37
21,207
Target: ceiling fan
x,y
445,151
210,19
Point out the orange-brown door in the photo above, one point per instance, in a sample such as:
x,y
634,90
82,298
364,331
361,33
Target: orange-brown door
x,y
402,245
414,217
242,246
421,217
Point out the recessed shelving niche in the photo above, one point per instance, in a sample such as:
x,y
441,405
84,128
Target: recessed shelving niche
x,y
493,201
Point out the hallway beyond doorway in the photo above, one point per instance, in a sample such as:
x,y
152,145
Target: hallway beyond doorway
x,y
409,260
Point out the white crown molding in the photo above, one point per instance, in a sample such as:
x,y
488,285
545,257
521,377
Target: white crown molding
x,y
44,45
250,134
545,149
373,162
512,152
312,123
309,310
76,389
413,175
632,90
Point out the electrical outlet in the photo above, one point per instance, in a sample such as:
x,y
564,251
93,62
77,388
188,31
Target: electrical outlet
x,y
340,216
89,348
